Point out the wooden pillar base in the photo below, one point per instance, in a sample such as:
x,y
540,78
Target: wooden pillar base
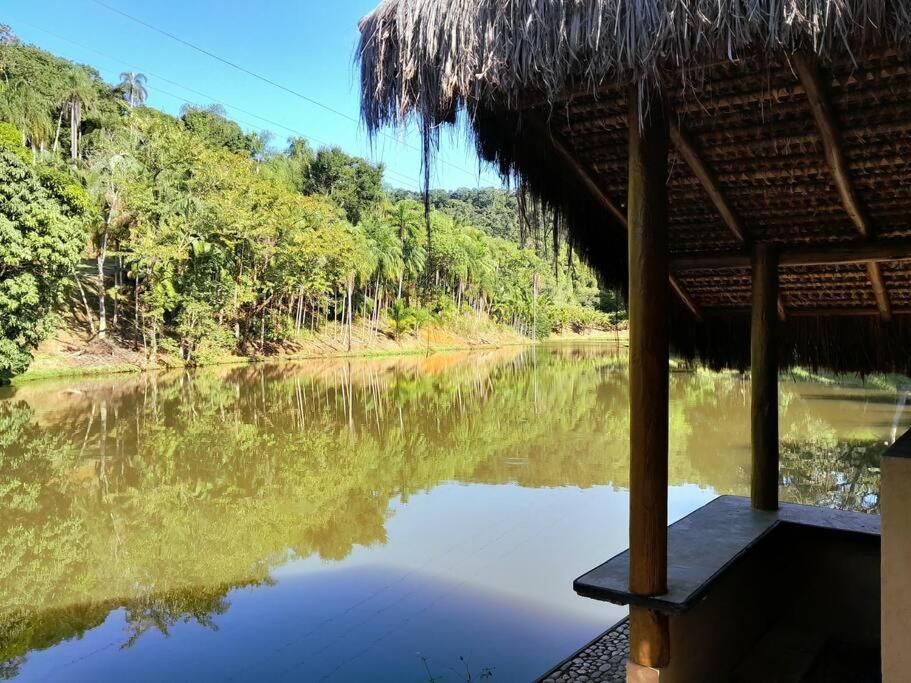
x,y
649,638
635,673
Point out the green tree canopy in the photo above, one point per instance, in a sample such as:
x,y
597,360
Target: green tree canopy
x,y
352,183
211,126
39,246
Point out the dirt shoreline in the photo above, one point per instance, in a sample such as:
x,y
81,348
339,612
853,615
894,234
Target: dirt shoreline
x,y
66,355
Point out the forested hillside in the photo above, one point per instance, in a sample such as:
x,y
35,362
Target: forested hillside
x,y
191,237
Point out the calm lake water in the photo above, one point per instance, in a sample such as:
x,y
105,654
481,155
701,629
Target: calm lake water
x,y
394,519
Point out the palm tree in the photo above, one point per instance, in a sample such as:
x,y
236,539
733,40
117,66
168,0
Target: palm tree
x,y
80,97
133,86
387,253
100,175
26,109
406,217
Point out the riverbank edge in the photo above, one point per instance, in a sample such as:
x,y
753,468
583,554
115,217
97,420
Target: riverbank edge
x,y
43,367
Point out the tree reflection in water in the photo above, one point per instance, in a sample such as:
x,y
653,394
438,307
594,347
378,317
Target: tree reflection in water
x,y
160,494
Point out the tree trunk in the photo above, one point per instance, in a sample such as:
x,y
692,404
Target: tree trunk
x,y
59,126
341,321
85,303
376,305
117,280
236,318
135,310
75,117
381,297
350,292
102,314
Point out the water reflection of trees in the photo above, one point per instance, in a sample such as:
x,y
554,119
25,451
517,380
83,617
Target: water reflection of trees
x,y
161,494
818,467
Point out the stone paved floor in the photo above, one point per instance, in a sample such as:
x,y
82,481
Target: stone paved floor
x,y
604,661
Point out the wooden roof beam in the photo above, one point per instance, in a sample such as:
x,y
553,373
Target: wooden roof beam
x,y
833,312
808,73
585,177
845,253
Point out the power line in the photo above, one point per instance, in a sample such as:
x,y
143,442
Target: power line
x,y
264,79
213,99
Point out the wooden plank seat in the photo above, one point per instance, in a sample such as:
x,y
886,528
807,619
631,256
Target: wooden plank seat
x,y
702,545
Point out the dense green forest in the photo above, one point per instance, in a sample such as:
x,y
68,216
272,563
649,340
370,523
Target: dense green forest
x,y
190,237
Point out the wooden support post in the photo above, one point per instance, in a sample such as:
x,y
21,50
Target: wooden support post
x,y
648,374
764,378
895,572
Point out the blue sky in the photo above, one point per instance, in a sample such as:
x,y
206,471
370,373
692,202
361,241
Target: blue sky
x,y
305,45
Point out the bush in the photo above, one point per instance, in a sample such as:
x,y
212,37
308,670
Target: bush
x,y
406,319
39,247
579,319
11,141
65,189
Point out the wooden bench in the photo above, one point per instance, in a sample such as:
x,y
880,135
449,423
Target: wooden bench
x,y
702,545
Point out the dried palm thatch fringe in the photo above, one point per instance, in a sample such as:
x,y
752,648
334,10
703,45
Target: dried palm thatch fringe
x,y
861,345
431,57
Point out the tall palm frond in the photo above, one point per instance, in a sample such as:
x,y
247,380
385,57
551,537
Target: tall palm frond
x,y
133,86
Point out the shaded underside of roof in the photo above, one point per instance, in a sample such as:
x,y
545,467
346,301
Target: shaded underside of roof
x,y
750,161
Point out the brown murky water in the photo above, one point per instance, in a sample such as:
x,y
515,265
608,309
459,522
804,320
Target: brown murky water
x,y
386,520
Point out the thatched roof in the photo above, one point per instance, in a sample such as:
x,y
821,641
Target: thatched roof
x,y
804,152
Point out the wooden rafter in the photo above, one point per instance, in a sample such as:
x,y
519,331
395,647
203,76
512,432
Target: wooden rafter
x,y
879,290
701,170
684,296
690,154
831,141
585,177
808,73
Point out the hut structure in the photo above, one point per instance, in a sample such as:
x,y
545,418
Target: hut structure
x,y
741,168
